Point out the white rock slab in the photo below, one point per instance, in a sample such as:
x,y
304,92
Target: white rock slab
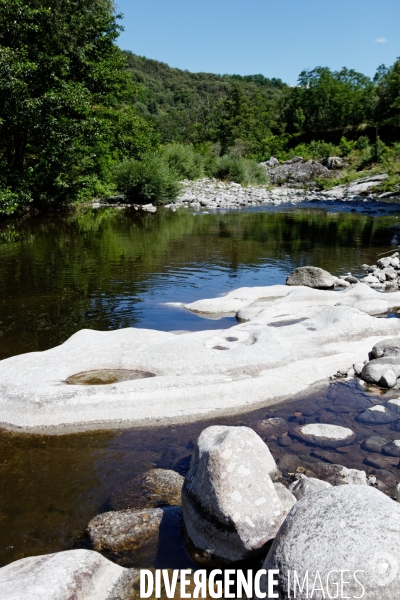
x,y
295,338
77,574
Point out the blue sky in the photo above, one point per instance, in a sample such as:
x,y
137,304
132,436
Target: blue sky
x,y
278,38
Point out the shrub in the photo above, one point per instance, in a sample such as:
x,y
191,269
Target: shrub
x,y
346,146
362,143
231,168
148,180
240,170
9,202
256,174
184,160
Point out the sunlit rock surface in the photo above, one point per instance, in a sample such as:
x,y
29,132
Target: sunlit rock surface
x,y
289,339
77,574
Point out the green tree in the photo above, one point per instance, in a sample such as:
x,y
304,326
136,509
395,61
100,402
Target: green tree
x,y
62,91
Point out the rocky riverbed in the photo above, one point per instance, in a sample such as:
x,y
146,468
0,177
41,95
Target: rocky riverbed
x,y
204,194
237,499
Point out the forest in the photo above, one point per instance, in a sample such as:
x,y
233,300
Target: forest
x,y
80,118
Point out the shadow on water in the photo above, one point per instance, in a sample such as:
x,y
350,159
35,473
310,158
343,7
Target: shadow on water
x,y
53,485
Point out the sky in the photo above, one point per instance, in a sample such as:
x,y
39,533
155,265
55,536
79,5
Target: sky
x,y
277,38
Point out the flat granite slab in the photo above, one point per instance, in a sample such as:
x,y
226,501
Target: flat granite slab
x,y
289,339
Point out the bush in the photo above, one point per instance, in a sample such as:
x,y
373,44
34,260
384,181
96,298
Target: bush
x,y
240,170
255,173
346,146
9,202
148,180
362,143
184,160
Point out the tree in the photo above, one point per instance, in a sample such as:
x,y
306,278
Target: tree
x,y
387,111
62,90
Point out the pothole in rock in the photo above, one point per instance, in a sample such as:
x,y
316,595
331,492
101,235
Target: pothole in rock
x,y
287,322
107,376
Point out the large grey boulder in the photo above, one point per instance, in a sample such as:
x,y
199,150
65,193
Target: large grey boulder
x,y
230,506
348,528
374,370
296,171
74,574
387,348
312,277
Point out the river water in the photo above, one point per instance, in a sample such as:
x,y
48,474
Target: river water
x,y
105,269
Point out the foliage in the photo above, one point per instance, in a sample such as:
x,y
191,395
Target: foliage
x,y
75,111
184,160
9,202
240,170
147,180
62,90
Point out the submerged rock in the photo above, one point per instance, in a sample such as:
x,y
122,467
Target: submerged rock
x,y
312,277
348,528
157,487
374,443
127,530
392,449
322,434
77,574
379,414
230,506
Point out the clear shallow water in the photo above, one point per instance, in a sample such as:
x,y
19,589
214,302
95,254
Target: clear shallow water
x,y
53,485
108,269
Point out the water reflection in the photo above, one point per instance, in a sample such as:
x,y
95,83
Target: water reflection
x,y
108,268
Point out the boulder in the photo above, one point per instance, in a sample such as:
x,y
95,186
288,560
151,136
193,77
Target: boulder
x,y
351,279
297,172
157,487
374,443
285,496
271,163
312,277
379,414
335,162
348,528
388,379
364,185
307,485
230,506
127,530
384,262
387,348
322,434
392,449
338,474
77,574
373,371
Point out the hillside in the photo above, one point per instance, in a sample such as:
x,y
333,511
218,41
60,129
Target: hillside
x,y
187,106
